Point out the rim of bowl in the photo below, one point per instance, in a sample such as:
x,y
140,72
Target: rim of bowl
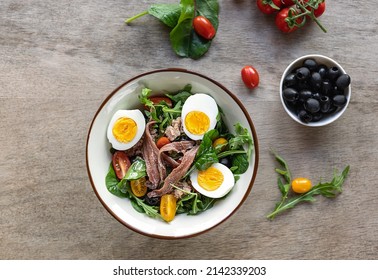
x,y
332,118
253,132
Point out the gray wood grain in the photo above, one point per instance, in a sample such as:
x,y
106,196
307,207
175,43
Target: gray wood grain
x,y
60,59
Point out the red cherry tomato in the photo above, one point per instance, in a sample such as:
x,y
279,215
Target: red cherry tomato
x,y
266,6
320,10
281,20
250,76
203,27
158,99
162,141
287,3
121,164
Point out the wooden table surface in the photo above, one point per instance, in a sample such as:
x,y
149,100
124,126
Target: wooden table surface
x,y
60,59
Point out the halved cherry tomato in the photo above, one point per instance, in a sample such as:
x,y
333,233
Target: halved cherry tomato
x,y
203,27
220,143
158,99
269,6
139,187
121,164
250,76
162,141
168,207
301,185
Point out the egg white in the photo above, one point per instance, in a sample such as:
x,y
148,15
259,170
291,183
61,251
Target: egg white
x,y
227,184
203,103
135,115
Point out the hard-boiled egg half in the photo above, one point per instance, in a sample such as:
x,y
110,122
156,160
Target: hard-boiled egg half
x,y
199,115
126,128
214,182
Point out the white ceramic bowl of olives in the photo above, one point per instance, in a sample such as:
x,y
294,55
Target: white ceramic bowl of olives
x,y
315,90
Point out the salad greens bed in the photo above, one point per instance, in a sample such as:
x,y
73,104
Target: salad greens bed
x,y
239,150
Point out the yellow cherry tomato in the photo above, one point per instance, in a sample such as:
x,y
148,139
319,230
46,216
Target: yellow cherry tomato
x,y
168,207
220,142
139,187
301,185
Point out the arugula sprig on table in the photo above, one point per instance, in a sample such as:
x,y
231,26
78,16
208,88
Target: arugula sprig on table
x,y
326,189
179,17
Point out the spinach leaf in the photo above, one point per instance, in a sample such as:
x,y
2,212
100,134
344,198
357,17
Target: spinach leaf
x,y
167,13
184,40
136,170
179,97
111,183
240,163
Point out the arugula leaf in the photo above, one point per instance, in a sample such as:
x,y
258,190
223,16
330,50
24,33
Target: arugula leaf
x,y
327,189
242,137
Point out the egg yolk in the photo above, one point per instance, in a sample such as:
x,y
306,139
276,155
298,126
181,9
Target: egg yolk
x,y
197,122
210,179
124,129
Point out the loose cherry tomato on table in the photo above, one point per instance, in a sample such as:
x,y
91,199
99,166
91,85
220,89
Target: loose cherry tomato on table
x,y
269,7
301,185
168,207
121,164
250,76
282,20
203,27
162,141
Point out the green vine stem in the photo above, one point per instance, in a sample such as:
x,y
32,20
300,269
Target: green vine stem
x,y
127,21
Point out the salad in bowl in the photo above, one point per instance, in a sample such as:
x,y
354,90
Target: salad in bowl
x,y
172,153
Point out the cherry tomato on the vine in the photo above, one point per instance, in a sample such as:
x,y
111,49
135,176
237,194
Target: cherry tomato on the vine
x,y
203,27
269,7
121,164
320,10
250,76
287,3
282,23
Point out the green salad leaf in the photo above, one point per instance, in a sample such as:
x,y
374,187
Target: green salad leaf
x,y
179,17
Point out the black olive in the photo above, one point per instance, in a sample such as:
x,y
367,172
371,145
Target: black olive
x,y
317,117
333,73
310,64
312,105
325,104
304,95
290,94
339,100
316,95
226,161
316,80
343,81
304,116
326,87
322,70
153,201
290,80
302,73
